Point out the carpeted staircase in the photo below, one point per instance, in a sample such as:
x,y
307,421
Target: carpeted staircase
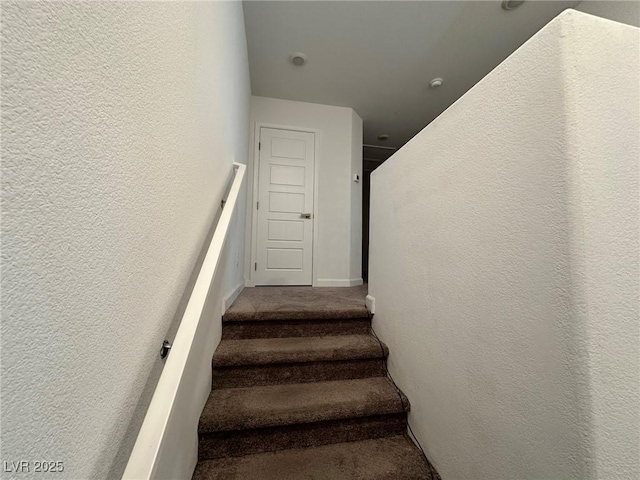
x,y
300,391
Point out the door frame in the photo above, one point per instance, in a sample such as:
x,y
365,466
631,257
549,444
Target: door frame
x,y
255,171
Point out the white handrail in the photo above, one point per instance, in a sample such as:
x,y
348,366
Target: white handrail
x,y
145,452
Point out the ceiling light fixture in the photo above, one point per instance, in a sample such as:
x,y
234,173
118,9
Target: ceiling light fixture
x,y
436,83
298,59
383,137
511,4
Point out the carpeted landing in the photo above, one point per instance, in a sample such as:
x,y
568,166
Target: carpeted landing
x,y
290,303
300,391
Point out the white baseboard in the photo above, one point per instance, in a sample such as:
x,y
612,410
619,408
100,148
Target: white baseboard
x,y
231,297
338,282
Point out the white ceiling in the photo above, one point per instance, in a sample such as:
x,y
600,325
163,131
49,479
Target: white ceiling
x,y
379,56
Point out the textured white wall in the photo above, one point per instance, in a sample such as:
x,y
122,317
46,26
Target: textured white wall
x,y
602,107
620,11
336,129
120,124
504,263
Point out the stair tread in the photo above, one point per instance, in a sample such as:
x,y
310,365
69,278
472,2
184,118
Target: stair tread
x,y
266,351
393,457
296,314
298,303
287,404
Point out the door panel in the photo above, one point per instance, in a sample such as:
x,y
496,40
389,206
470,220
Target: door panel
x,y
287,230
281,202
285,259
287,175
284,239
287,147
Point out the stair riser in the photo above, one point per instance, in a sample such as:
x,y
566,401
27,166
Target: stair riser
x,y
246,442
251,376
294,328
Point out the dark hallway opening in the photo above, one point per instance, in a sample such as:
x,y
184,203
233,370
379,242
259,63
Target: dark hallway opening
x,y
372,158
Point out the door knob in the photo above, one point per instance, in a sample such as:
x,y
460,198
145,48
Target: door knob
x,y
305,215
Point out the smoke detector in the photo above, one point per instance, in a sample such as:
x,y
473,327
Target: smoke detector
x,y
436,83
511,4
298,59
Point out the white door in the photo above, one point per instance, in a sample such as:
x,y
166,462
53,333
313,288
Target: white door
x,y
285,208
